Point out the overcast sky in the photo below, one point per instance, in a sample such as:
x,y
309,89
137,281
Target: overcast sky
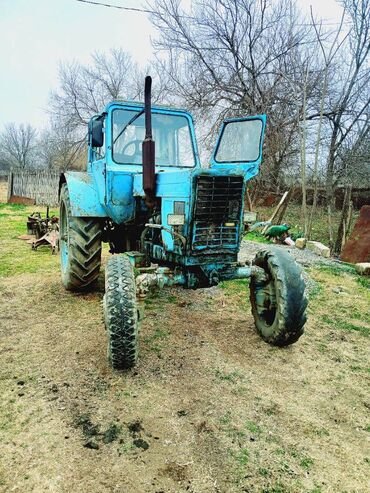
x,y
36,34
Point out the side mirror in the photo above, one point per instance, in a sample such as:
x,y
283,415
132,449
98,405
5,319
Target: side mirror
x,y
96,135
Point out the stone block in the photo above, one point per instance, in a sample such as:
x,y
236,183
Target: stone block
x,y
300,243
363,268
318,248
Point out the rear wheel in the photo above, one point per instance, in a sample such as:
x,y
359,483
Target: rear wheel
x,y
80,246
121,313
278,304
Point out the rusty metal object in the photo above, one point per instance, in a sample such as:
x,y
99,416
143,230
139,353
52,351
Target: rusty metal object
x,y
172,232
148,147
50,238
35,225
46,230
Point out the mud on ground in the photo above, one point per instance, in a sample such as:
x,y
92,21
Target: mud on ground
x,y
210,406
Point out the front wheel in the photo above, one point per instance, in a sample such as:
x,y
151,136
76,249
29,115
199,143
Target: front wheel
x,y
278,303
121,314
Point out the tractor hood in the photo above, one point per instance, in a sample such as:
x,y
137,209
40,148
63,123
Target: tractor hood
x,y
172,182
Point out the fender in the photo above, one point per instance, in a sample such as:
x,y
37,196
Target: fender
x,y
83,194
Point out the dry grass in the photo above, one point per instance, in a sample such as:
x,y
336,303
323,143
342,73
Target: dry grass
x,y
210,407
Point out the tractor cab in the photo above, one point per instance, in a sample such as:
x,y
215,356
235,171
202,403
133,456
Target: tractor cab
x,y
174,144
160,178
144,170
121,129
119,132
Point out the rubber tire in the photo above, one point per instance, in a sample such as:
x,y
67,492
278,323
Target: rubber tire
x,y
81,266
121,313
289,317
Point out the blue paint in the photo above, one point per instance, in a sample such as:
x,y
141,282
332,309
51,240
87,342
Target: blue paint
x,y
64,239
114,191
84,197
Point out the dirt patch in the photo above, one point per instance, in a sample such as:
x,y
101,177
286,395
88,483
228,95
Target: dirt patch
x,y
177,472
16,199
209,408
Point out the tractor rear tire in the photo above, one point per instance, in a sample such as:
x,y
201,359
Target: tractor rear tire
x,y
121,314
278,305
80,246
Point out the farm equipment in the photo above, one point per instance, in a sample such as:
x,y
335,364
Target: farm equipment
x,y
46,230
146,194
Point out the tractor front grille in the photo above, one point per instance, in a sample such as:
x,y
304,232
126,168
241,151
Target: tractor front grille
x,y
218,202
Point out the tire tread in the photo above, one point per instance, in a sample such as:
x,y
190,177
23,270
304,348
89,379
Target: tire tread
x,y
121,313
291,300
84,248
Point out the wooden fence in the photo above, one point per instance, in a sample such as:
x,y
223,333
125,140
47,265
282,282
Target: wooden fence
x,y
268,198
39,185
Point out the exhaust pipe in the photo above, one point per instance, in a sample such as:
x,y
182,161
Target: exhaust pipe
x,y
148,147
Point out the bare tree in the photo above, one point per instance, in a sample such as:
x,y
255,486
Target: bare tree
x,y
228,57
17,144
328,57
354,171
58,148
354,157
232,57
303,140
86,89
349,98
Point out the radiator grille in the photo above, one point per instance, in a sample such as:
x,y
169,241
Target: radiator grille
x,y
218,201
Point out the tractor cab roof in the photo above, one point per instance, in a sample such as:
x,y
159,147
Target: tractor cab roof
x,y
140,104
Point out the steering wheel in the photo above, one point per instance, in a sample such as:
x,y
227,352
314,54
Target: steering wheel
x,y
137,149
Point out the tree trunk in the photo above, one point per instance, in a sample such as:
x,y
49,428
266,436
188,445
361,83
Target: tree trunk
x,y
348,220
255,191
344,220
316,160
303,179
330,184
280,216
248,200
303,133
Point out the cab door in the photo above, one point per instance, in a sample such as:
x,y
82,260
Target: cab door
x,y
239,145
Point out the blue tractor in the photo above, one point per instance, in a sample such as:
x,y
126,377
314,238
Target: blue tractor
x,y
177,223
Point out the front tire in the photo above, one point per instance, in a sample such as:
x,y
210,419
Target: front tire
x,y
121,314
80,246
278,304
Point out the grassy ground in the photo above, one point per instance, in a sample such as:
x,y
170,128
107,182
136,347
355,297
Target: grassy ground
x,y
16,257
210,407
